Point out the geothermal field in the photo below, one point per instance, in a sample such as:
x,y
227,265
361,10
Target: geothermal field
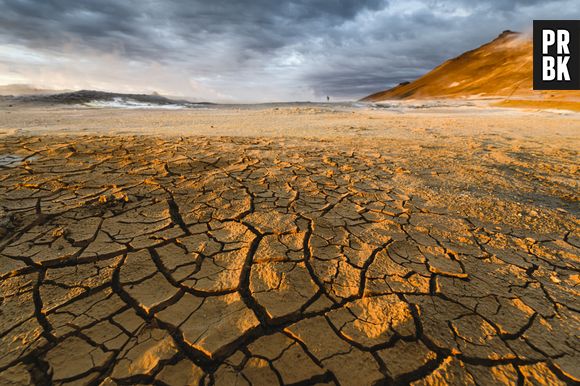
x,y
418,243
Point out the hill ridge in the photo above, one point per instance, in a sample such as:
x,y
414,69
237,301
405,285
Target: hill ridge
x,y
501,68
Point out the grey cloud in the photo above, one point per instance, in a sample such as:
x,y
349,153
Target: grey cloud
x,y
267,49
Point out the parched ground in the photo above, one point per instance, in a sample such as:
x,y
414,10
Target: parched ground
x,y
223,260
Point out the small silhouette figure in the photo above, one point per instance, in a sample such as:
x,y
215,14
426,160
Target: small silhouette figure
x,y
327,98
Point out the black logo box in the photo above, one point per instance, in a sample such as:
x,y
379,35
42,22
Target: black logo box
x,y
573,27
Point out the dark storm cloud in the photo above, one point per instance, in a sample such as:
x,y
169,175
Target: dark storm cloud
x,y
139,25
288,49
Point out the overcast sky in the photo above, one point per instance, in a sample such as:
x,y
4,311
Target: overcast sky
x,y
249,50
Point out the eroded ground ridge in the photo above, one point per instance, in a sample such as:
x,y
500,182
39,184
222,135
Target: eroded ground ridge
x,y
249,261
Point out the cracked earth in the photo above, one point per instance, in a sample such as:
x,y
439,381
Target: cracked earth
x,y
200,260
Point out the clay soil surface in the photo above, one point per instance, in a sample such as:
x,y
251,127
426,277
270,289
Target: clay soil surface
x,y
291,244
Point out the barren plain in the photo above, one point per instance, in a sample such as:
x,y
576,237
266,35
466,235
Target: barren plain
x,y
289,244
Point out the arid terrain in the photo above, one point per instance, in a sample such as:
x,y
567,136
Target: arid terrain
x,y
422,244
501,69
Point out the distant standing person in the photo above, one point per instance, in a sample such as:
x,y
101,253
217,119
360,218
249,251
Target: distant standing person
x,y
327,98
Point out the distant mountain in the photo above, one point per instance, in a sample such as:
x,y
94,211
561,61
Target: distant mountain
x,y
501,68
102,99
86,96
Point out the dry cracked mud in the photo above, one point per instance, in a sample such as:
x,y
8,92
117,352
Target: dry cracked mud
x,y
173,261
